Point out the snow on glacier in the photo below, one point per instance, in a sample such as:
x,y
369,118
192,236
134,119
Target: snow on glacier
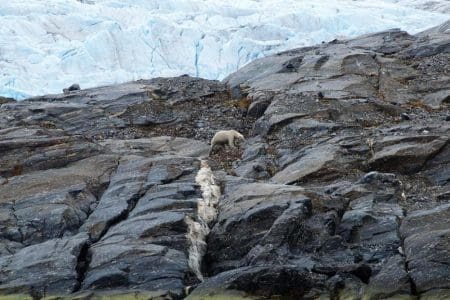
x,y
48,45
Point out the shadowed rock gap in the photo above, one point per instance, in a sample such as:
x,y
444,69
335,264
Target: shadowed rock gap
x,y
82,266
84,257
410,279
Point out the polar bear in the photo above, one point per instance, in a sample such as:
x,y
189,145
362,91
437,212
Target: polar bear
x,y
223,137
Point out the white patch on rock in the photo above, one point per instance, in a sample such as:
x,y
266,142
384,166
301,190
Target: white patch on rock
x,y
206,215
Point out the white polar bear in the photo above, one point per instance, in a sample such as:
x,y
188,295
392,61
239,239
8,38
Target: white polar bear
x,y
224,137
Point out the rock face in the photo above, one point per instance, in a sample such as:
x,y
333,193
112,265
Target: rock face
x,y
341,189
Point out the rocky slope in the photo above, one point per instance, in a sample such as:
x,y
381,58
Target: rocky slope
x,y
340,191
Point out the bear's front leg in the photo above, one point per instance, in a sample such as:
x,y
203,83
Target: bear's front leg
x,y
231,143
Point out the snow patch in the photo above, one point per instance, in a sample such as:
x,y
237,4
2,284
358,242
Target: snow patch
x,y
206,215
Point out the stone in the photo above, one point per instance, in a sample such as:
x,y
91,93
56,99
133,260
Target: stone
x,y
437,99
440,294
437,168
35,209
285,281
74,87
254,169
426,220
153,120
115,294
256,214
47,268
126,186
114,264
373,226
259,103
427,255
314,161
161,144
255,149
4,100
426,246
405,117
8,247
264,128
391,281
407,155
155,227
257,108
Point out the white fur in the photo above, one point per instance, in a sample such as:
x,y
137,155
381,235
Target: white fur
x,y
223,137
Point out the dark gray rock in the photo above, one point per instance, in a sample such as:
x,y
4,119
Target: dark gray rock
x,y
392,280
126,262
4,100
162,144
256,214
406,154
259,104
263,128
282,281
373,226
147,249
405,117
53,203
426,246
255,149
312,162
427,256
7,246
153,120
255,169
73,87
437,169
34,148
60,213
430,42
257,108
361,66
133,177
440,294
119,294
47,268
426,220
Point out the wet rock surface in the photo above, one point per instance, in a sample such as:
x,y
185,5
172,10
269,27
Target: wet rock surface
x,y
341,189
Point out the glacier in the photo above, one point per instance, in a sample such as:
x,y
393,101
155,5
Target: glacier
x,y
48,45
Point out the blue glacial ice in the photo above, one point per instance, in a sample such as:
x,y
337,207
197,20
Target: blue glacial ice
x,y
48,45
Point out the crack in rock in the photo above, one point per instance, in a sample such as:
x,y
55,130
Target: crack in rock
x,y
206,216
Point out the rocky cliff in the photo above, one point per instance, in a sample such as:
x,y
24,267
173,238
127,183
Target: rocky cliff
x,y
341,189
